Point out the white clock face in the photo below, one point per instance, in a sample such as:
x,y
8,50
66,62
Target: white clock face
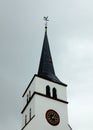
x,y
52,117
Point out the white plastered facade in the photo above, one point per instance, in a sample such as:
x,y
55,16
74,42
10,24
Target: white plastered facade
x,y
40,104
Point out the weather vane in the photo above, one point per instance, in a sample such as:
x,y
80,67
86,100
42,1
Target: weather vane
x,y
46,20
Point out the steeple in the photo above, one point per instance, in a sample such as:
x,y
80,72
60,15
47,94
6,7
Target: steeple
x,y
46,68
46,90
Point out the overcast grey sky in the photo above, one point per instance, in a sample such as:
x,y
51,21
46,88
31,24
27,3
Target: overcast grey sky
x,y
70,33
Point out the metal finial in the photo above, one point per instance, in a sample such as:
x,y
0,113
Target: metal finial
x,y
46,21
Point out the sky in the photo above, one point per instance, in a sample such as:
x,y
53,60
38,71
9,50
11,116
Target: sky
x,y
70,31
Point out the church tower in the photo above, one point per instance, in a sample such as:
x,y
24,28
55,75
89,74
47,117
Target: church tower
x,y
44,100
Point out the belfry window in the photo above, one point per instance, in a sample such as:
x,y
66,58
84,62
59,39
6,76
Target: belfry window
x,y
54,93
48,91
29,94
30,114
27,98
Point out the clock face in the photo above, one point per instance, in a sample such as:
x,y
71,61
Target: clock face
x,y
52,117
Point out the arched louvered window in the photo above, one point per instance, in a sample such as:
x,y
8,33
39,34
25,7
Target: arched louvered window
x,y
54,93
27,98
29,94
48,91
30,114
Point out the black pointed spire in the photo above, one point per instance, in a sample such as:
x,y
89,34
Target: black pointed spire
x,y
46,68
46,65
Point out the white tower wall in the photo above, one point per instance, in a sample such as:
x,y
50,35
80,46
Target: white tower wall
x,y
40,103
